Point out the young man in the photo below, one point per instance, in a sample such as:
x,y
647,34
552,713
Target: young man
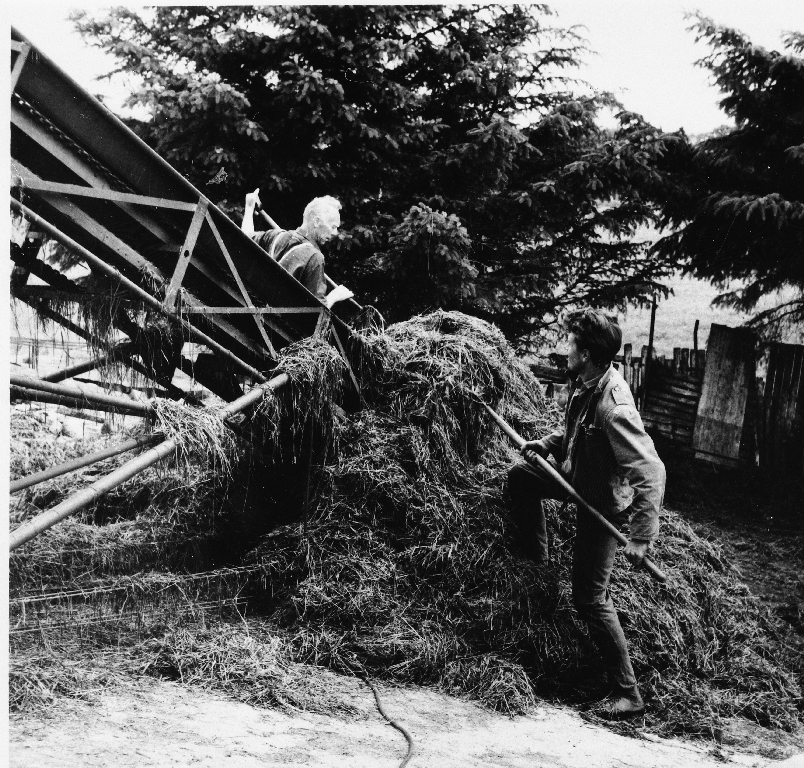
x,y
299,250
605,453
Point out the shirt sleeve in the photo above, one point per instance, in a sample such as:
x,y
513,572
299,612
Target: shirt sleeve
x,y
264,238
552,443
637,458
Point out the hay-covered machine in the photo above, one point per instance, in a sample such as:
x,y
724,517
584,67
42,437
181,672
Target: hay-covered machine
x,y
166,267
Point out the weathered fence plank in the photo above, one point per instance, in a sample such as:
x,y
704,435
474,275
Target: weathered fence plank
x,y
781,417
721,410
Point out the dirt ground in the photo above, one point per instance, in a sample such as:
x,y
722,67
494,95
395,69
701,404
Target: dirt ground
x,y
150,722
758,520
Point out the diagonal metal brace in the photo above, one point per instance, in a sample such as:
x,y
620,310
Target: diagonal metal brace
x,y
243,292
186,254
23,49
346,362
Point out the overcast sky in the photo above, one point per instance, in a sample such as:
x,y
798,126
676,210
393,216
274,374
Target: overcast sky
x,y
643,51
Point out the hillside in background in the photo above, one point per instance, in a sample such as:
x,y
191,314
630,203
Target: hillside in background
x,y
676,316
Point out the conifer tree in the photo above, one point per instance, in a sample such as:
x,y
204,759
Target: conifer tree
x,y
738,207
471,176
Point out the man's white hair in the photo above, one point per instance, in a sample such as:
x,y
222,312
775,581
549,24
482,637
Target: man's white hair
x,y
318,206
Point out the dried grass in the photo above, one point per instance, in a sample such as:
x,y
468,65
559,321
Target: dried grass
x,y
38,679
250,664
408,567
201,437
157,521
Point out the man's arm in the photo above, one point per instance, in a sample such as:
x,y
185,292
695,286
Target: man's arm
x,y
252,201
637,457
551,444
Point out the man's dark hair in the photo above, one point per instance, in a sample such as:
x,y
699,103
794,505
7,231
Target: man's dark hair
x,y
596,331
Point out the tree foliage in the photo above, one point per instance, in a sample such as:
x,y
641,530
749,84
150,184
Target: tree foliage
x,y
471,177
739,207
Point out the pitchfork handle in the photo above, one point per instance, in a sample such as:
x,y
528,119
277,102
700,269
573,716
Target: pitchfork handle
x,y
650,566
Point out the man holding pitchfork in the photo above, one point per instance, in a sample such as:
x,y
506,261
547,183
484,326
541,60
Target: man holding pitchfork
x,y
609,459
299,250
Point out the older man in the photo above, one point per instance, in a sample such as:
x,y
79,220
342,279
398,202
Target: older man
x,y
299,250
605,453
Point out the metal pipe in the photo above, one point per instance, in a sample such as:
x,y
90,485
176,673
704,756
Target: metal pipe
x,y
93,492
649,565
81,394
252,396
38,396
146,297
89,365
82,461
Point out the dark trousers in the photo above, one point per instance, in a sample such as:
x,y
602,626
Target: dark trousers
x,y
592,561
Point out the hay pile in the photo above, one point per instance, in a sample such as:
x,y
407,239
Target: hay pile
x,y
163,549
408,568
399,559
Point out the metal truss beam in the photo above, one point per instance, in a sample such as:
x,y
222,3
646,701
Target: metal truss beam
x,y
103,193
134,289
132,257
22,49
130,469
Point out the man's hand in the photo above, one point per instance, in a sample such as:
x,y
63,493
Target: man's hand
x,y
533,447
635,551
252,201
338,293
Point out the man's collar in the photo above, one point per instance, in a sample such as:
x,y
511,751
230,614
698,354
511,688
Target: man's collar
x,y
302,234
597,383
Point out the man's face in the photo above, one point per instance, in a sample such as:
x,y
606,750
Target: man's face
x,y
328,224
576,357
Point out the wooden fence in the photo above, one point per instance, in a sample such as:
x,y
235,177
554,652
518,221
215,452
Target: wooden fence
x,y
780,411
724,412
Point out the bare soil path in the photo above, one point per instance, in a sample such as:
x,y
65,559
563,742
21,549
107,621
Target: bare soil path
x,y
149,722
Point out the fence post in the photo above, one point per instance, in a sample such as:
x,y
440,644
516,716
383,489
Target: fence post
x,y
627,373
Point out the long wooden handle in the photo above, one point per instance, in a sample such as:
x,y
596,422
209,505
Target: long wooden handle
x,y
330,282
650,566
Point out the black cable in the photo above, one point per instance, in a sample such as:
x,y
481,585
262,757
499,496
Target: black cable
x,y
394,723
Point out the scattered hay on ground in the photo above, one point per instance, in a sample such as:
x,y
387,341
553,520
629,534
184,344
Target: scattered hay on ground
x,y
248,662
33,447
39,679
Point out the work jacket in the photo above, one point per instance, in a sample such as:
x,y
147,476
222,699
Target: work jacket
x,y
297,255
608,457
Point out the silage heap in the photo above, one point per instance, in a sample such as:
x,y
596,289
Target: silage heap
x,y
406,566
